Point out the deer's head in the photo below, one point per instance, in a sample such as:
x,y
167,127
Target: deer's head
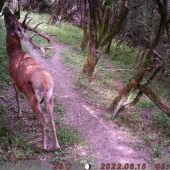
x,y
12,25
19,29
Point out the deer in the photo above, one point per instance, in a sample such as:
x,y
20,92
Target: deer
x,y
27,75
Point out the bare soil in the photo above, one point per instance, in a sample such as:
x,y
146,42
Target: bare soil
x,y
108,143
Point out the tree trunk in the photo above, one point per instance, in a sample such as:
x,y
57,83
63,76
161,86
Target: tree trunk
x,y
1,4
85,40
91,62
124,94
140,93
50,21
16,8
107,51
92,58
118,43
118,26
82,13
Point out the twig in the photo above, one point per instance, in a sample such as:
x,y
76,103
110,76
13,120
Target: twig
x,y
146,39
163,58
125,53
154,84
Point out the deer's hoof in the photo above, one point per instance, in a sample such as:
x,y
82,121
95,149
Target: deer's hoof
x,y
59,149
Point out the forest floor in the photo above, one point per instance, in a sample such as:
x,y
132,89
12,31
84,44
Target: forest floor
x,y
108,143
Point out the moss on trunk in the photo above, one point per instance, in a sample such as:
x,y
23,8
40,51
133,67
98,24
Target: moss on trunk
x,y
90,63
124,94
85,40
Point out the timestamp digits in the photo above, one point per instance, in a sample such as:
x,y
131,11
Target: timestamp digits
x,y
162,166
121,166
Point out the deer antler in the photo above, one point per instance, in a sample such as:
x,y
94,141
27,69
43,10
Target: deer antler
x,y
41,34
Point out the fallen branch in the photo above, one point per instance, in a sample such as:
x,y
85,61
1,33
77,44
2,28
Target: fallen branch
x,y
113,70
148,92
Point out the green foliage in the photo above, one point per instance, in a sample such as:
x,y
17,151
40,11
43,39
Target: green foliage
x,y
4,75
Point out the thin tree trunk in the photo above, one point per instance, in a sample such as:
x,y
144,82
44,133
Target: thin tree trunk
x,y
92,58
107,51
50,21
116,48
16,8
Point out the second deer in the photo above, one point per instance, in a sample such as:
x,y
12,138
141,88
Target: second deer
x,y
27,75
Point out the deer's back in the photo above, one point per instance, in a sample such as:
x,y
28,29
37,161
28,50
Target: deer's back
x,y
25,71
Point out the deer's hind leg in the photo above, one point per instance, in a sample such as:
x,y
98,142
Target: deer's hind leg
x,y
49,106
35,105
18,99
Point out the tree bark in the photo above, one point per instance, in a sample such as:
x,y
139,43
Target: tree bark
x,y
135,101
92,58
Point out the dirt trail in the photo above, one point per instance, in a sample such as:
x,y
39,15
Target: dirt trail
x,y
109,144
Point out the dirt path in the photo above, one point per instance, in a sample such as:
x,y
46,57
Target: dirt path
x,y
109,144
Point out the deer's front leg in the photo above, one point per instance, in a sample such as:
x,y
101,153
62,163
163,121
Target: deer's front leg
x,y
18,100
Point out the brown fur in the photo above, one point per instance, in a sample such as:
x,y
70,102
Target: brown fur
x,y
28,76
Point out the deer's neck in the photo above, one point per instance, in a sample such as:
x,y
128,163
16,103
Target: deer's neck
x,y
13,45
